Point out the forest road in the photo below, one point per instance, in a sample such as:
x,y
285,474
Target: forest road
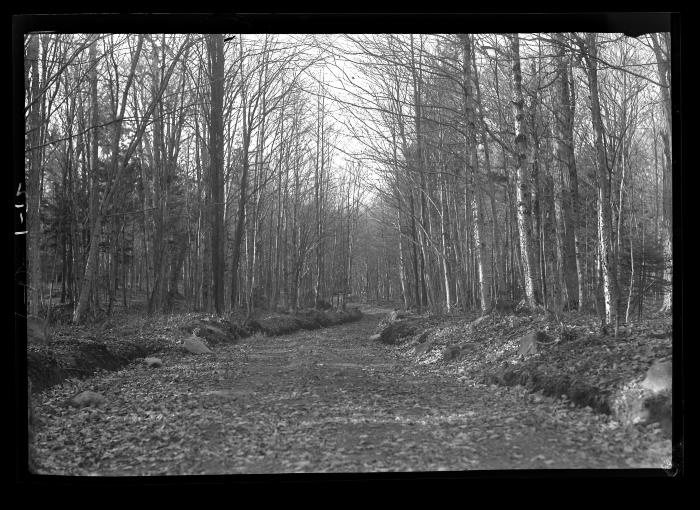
x,y
325,401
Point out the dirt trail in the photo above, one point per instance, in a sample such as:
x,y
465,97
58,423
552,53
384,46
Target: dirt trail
x,y
318,401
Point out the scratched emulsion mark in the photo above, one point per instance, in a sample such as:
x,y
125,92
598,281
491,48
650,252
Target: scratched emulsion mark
x,y
21,207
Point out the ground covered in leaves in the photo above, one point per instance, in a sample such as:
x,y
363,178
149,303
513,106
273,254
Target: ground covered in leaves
x,y
327,400
580,363
70,351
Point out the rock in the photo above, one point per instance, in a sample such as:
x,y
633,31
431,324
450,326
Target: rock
x,y
649,401
376,337
399,329
658,409
87,398
196,346
528,344
659,377
153,362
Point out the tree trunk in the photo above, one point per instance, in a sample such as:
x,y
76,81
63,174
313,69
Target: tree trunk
x,y
564,157
91,263
521,144
33,190
498,274
318,195
471,169
118,167
663,59
603,174
215,47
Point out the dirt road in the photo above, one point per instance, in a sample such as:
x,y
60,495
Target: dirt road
x,y
316,401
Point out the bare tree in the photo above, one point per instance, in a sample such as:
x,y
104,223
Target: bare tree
x,y
521,143
610,291
661,46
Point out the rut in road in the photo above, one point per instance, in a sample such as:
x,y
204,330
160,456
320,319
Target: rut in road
x,y
324,401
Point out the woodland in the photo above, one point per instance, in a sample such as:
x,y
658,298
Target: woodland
x,y
215,171
344,209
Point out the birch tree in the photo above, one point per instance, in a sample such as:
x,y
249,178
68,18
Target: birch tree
x,y
521,144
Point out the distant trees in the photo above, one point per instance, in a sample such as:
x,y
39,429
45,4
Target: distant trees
x,y
116,168
540,240
441,172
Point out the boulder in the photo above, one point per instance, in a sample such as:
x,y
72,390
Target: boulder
x,y
153,362
399,329
649,401
87,398
528,344
196,346
658,409
657,406
659,377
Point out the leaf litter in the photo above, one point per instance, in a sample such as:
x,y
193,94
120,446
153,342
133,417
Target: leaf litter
x,y
327,400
